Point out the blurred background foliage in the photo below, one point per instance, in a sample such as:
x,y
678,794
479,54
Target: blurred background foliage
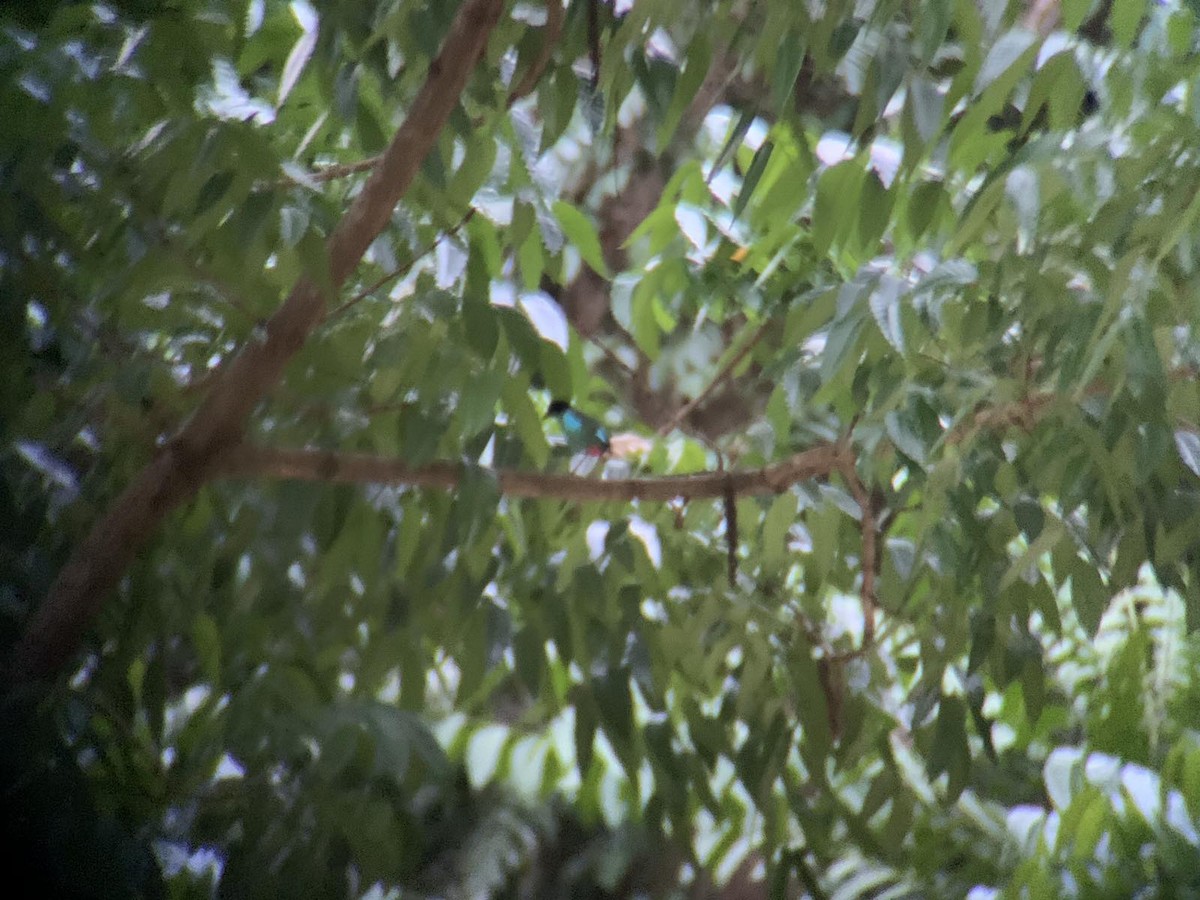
x,y
969,228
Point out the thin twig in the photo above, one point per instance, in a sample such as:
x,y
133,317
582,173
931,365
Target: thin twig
x,y
869,556
869,560
612,357
1026,412
341,170
684,411
731,531
1023,414
623,333
555,16
401,271
232,298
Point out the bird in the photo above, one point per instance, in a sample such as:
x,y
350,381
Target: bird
x,y
583,433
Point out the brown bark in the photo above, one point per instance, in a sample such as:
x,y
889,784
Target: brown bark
x,y
332,466
1041,16
185,462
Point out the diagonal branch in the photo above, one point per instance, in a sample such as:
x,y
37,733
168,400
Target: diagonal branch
x,y
403,269
869,553
686,409
1027,411
555,17
331,466
186,461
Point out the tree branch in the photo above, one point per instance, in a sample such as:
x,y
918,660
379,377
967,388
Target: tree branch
x,y
869,554
555,16
337,467
1042,16
341,170
185,462
686,410
1024,414
402,269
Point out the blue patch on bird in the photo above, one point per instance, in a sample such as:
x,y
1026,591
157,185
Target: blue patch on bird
x,y
583,433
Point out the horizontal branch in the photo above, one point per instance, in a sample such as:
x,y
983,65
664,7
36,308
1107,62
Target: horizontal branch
x,y
249,461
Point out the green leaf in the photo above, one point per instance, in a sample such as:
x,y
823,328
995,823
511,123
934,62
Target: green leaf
x,y
922,204
370,131
874,214
789,58
1188,445
315,259
836,204
643,321
476,166
297,59
1059,88
1089,595
933,23
293,224
949,752
213,190
485,246
433,170
776,524
1063,777
905,433
1030,517
758,165
1074,12
529,658
532,259
614,704
926,107
485,752
420,434
811,705
841,346
556,369
979,210
477,405
1009,49
582,235
472,645
885,301
1179,227
585,729
695,68
1125,19
1095,820
736,136
207,640
1191,781
524,419
479,323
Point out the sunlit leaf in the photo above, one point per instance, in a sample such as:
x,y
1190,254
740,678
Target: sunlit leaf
x,y
582,235
298,58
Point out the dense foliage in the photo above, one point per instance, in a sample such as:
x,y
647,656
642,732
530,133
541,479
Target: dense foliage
x,y
958,240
